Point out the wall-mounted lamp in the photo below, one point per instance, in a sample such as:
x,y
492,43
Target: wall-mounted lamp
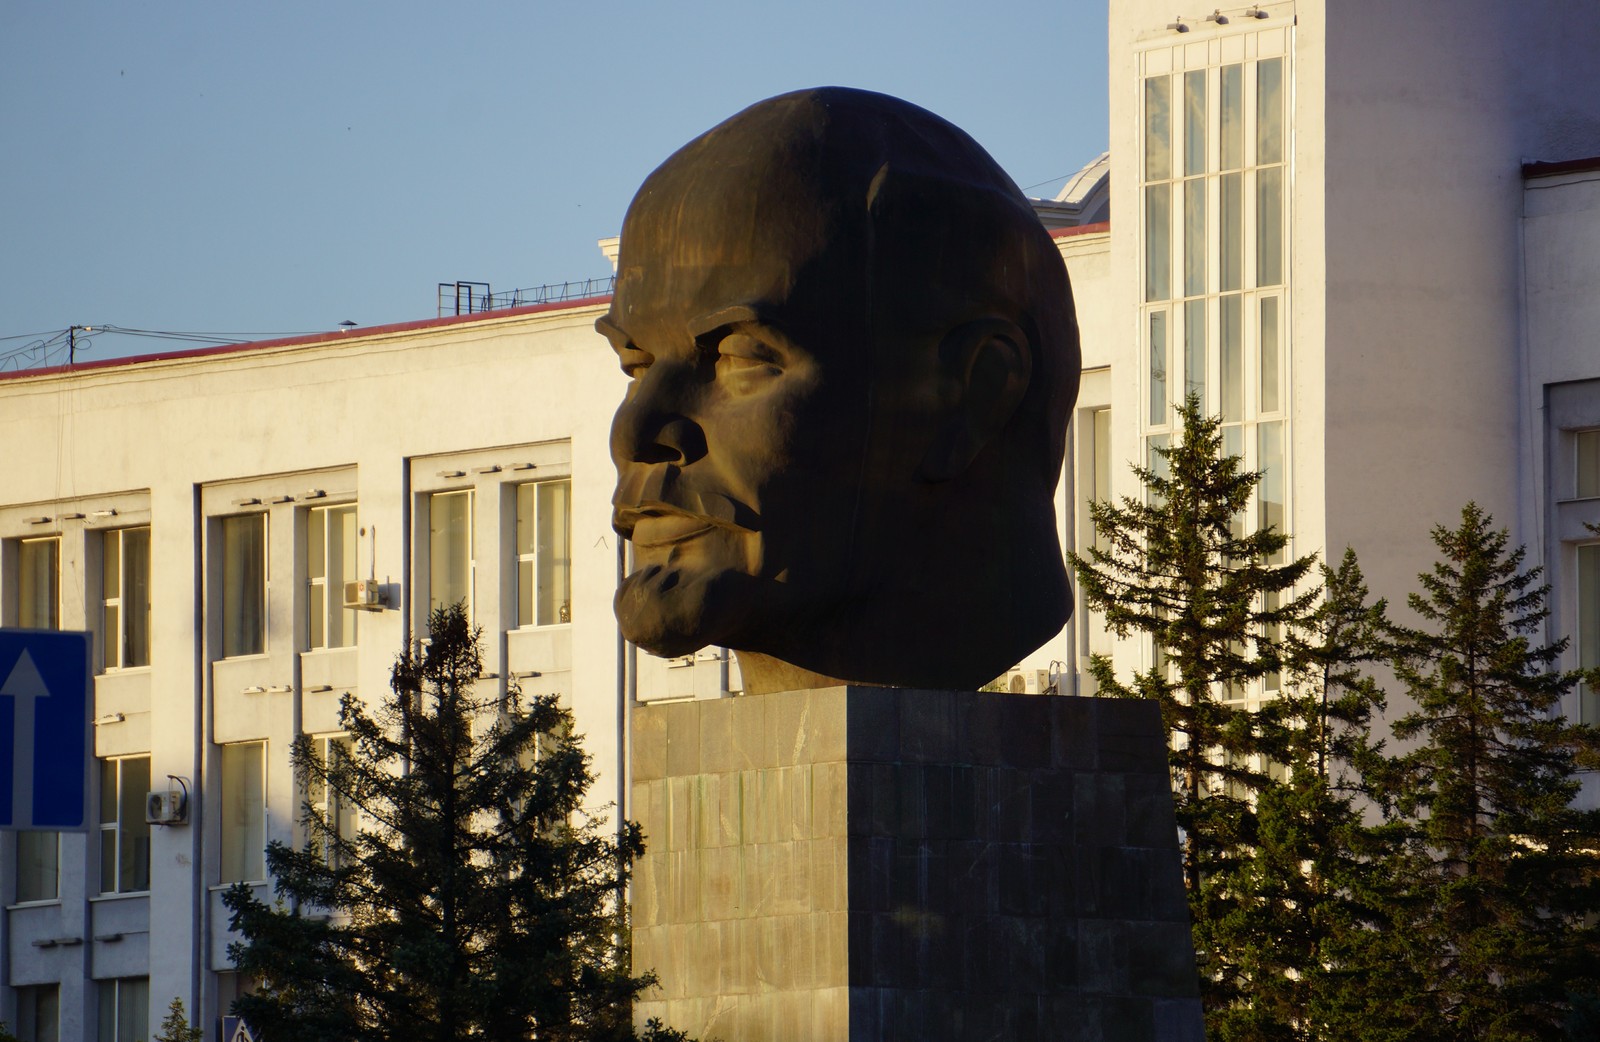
x,y
37,519
1177,25
103,513
1255,12
279,689
1218,17
254,689
72,517
109,718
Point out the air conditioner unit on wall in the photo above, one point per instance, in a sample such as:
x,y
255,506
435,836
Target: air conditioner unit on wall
x,y
1030,682
166,807
363,595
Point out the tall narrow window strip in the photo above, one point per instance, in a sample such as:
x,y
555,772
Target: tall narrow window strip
x,y
1233,445
1231,350
1194,350
1157,128
1194,122
1230,219
1268,350
1100,454
1231,102
1587,444
1269,226
1270,493
1588,628
1156,463
244,812
450,549
39,584
244,585
1269,111
1158,242
1158,368
330,564
1194,237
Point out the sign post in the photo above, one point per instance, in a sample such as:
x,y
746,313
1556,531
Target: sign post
x,y
45,729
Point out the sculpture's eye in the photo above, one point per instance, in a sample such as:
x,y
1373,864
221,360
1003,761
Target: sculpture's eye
x,y
741,354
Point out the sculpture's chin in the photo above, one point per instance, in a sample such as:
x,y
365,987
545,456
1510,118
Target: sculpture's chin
x,y
670,610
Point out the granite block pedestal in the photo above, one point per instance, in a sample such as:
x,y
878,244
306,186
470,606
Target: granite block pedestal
x,y
851,864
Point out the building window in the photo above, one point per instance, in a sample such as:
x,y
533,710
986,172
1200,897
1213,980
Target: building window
x,y
124,834
544,553
38,866
1587,444
1588,628
450,549
330,563
1215,268
39,1013
124,1009
337,813
125,597
39,583
244,585
244,812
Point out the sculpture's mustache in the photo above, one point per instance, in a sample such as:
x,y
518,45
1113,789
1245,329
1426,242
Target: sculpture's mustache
x,y
660,489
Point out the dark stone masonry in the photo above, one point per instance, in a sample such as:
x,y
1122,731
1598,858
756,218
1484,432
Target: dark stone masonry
x,y
858,863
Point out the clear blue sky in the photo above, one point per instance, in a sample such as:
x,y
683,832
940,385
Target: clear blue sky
x,y
260,168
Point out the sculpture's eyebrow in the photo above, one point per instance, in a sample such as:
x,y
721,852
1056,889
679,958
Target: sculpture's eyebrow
x,y
722,318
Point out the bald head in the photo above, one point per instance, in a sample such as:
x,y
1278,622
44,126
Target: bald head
x,y
843,323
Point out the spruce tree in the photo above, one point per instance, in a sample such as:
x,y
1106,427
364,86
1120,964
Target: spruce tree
x,y
1307,930
1181,566
175,1025
1500,870
476,900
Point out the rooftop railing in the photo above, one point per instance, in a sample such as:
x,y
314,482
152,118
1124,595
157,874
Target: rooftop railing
x,y
470,298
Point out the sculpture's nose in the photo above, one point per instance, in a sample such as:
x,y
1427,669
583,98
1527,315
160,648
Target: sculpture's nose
x,y
654,425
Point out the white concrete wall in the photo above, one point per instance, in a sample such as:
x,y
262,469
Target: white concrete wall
x,y
370,417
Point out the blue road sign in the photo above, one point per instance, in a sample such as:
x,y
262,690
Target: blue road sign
x,y
44,729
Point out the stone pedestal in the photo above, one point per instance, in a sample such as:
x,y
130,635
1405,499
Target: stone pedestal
x,y
852,864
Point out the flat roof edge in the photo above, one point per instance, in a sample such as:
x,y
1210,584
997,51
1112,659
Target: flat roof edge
x,y
306,340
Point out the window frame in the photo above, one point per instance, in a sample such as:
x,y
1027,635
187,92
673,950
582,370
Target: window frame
x,y
116,831
114,988
330,590
259,646
320,797
233,843
470,495
533,558
24,605
114,639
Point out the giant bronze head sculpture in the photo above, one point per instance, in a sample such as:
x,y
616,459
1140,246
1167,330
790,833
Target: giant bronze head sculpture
x,y
852,357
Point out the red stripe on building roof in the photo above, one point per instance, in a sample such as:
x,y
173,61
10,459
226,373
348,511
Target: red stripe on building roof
x,y
1081,229
305,341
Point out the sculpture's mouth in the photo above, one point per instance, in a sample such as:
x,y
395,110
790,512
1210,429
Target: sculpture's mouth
x,y
653,529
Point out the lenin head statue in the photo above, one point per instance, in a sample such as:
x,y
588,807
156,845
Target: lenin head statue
x,y
852,355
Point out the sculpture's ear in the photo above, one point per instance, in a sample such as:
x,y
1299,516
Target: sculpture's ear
x,y
990,362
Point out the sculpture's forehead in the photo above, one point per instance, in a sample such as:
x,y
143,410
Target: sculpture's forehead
x,y
722,226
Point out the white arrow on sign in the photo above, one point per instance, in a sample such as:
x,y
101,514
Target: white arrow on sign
x,y
24,684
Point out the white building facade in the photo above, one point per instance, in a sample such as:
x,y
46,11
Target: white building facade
x,y
1368,235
